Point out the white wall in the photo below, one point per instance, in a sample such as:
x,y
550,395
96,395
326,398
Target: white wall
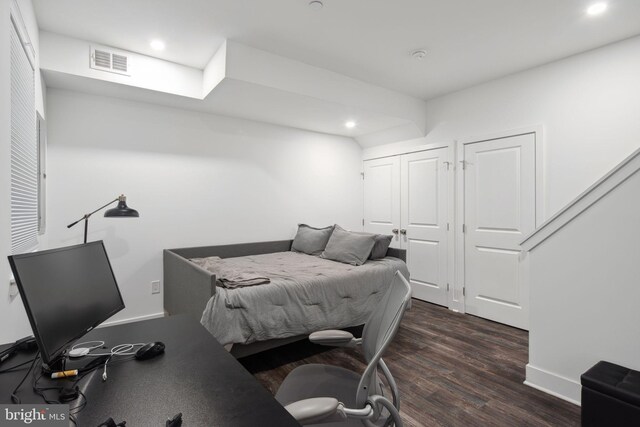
x,y
368,103
13,319
588,104
71,56
585,293
196,179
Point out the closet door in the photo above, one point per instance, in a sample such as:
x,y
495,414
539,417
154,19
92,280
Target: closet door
x,y
424,234
499,211
382,197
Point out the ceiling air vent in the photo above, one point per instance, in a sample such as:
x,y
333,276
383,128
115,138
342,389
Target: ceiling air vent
x,y
102,59
105,60
119,62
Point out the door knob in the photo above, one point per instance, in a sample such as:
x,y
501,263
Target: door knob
x,y
394,231
403,231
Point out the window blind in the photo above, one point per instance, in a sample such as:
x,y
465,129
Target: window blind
x,y
24,151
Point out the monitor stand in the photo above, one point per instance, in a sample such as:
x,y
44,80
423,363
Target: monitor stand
x,y
57,365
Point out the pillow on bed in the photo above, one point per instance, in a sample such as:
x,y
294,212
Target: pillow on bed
x,y
381,245
350,248
311,240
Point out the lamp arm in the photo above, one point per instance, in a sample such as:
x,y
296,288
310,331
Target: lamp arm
x,y
86,216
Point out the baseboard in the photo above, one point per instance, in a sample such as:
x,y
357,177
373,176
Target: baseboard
x,y
133,319
553,384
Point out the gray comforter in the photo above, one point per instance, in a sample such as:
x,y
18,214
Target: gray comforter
x,y
306,294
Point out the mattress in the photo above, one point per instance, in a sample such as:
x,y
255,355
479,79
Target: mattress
x,y
305,294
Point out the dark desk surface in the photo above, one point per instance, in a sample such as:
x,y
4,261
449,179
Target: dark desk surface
x,y
195,376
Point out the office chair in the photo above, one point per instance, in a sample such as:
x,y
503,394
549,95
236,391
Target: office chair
x,y
333,396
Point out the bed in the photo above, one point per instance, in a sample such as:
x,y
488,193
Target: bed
x,y
306,293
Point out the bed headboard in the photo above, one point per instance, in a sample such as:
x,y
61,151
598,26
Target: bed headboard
x,y
235,250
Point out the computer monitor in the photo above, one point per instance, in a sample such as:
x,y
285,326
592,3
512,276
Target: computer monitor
x,y
66,293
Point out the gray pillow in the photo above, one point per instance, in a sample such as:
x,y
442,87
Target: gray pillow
x,y
348,247
311,240
381,245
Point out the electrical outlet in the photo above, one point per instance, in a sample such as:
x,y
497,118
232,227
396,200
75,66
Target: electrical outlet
x,y
13,287
155,287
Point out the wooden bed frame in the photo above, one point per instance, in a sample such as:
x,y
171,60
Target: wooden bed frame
x,y
188,287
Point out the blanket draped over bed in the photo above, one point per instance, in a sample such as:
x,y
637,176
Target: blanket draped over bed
x,y
231,274
305,294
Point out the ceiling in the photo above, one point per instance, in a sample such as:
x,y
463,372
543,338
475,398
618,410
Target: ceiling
x,y
468,41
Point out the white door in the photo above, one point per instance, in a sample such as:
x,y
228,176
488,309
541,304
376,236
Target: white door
x,y
382,197
499,210
424,201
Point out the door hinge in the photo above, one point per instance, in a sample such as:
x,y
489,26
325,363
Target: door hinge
x,y
362,221
464,164
447,226
362,175
463,292
447,287
464,228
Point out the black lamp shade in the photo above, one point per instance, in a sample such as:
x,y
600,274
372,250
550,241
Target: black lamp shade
x,y
122,210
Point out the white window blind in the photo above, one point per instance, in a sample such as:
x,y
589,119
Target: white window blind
x,y
24,151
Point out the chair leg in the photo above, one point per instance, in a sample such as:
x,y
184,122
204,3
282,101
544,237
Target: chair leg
x,y
395,415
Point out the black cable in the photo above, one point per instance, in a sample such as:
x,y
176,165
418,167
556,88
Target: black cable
x,y
13,368
5,354
73,411
23,344
80,406
14,397
83,372
40,392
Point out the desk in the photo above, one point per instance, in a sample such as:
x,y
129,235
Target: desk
x,y
195,376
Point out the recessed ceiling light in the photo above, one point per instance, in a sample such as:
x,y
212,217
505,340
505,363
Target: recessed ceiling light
x,y
316,4
350,124
419,54
157,44
596,8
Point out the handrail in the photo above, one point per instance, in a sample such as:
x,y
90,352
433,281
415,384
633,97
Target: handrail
x,y
602,187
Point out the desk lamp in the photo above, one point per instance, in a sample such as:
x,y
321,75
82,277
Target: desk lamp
x,y
120,211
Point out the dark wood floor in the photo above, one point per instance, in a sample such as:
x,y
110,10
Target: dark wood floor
x,y
452,370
